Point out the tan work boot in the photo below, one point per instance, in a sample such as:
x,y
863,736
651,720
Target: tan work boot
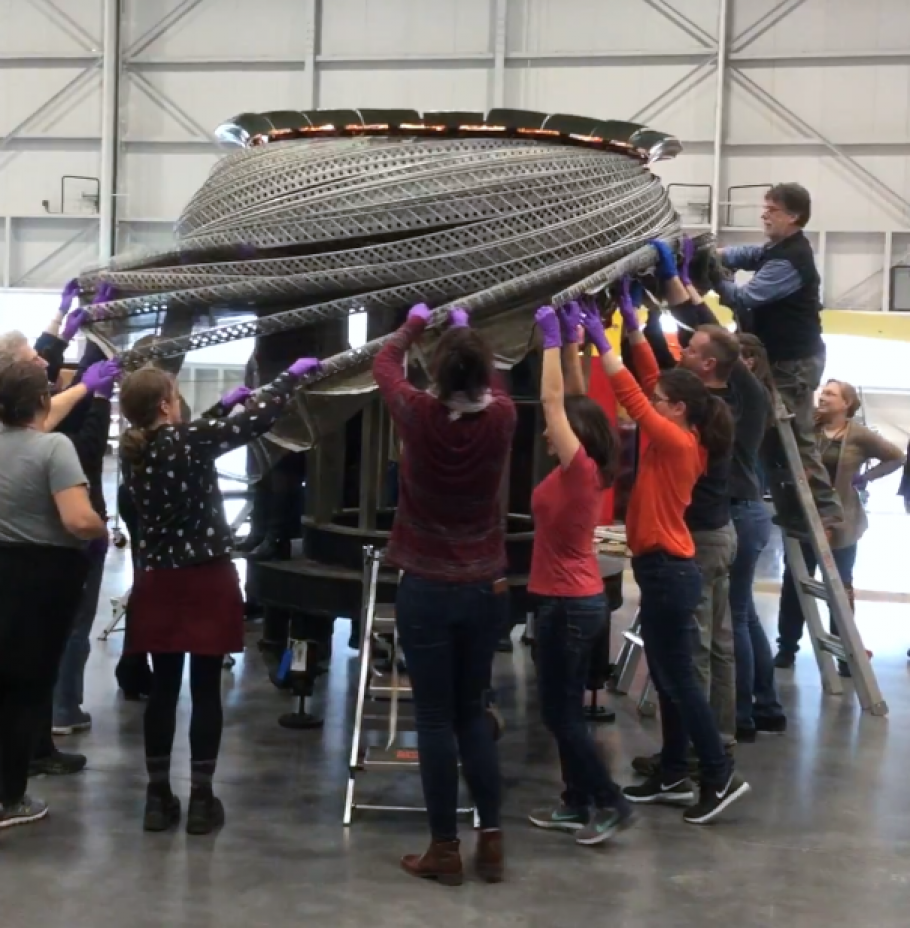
x,y
441,862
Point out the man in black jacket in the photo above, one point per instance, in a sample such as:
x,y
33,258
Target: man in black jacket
x,y
781,305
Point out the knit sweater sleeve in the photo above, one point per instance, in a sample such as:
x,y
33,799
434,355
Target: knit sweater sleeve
x,y
402,397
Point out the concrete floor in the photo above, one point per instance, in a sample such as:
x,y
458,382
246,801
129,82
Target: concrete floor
x,y
823,840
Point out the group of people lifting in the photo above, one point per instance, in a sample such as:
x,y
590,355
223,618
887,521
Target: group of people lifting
x,y
695,526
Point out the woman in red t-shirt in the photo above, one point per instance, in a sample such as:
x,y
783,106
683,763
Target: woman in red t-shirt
x,y
572,610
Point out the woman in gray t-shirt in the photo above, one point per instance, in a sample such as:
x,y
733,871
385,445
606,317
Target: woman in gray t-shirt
x,y
45,516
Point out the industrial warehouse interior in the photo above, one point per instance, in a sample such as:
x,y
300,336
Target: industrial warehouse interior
x,y
215,195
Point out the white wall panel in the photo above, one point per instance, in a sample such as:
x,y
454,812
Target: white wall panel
x,y
615,92
220,28
158,184
600,25
51,251
366,28
30,29
853,278
419,88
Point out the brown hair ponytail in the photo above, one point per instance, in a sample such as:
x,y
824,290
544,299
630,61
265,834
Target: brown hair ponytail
x,y
141,396
704,411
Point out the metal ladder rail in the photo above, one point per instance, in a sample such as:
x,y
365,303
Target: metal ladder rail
x,y
849,647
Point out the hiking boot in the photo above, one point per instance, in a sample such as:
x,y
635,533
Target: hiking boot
x,y
441,862
205,814
489,858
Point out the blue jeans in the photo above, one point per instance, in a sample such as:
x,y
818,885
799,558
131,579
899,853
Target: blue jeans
x,y
68,693
670,589
756,694
565,630
448,633
790,619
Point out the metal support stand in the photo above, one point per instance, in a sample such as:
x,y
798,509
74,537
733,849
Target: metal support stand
x,y
384,701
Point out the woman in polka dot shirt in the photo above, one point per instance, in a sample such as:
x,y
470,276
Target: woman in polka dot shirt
x,y
186,595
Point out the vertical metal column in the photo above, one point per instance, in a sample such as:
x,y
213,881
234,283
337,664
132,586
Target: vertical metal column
x,y
110,129
310,42
500,10
723,30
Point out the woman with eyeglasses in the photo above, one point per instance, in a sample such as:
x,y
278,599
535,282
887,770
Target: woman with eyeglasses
x,y
683,424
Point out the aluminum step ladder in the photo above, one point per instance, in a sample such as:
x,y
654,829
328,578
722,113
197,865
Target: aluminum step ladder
x,y
384,736
848,647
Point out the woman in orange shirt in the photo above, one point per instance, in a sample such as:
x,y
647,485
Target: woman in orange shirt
x,y
683,423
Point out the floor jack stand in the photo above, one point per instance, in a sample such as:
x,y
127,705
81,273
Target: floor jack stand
x,y
301,679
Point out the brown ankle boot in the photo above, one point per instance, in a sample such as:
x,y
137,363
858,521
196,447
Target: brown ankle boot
x,y
489,859
441,862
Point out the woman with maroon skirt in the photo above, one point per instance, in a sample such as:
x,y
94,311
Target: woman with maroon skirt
x,y
186,595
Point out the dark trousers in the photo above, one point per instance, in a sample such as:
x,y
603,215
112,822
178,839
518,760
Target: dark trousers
x,y
756,694
41,586
670,589
790,619
566,629
796,383
448,633
206,720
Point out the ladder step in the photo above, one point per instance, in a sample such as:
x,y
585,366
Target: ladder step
x,y
634,638
390,757
384,617
815,588
383,688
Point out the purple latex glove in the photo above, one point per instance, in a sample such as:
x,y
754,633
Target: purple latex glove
x,y
458,318
74,321
70,292
420,311
569,321
687,254
104,294
304,366
235,397
99,378
628,306
548,323
859,482
594,327
666,260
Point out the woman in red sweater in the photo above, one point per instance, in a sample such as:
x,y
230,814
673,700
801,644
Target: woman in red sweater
x,y
683,423
448,539
572,610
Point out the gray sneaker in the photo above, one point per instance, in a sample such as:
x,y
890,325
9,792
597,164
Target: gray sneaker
x,y
603,824
71,722
560,819
24,812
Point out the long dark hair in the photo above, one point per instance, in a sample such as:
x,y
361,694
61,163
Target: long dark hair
x,y
141,396
597,436
24,392
704,411
462,363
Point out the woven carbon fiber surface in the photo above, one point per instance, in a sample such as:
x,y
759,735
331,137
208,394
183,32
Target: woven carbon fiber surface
x,y
306,231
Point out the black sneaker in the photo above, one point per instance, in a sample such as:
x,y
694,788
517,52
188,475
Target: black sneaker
x,y
646,765
654,790
784,660
205,814
162,811
57,764
562,818
712,801
745,735
24,812
771,724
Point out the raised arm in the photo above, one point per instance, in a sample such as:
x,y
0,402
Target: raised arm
x,y
659,430
552,392
215,437
740,257
569,325
389,367
771,282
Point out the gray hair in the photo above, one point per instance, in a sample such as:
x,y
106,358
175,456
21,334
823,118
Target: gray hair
x,y
11,345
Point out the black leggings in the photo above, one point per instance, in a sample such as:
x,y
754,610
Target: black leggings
x,y
207,718
40,586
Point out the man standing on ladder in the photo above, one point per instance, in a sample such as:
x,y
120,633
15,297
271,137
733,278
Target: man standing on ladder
x,y
781,305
